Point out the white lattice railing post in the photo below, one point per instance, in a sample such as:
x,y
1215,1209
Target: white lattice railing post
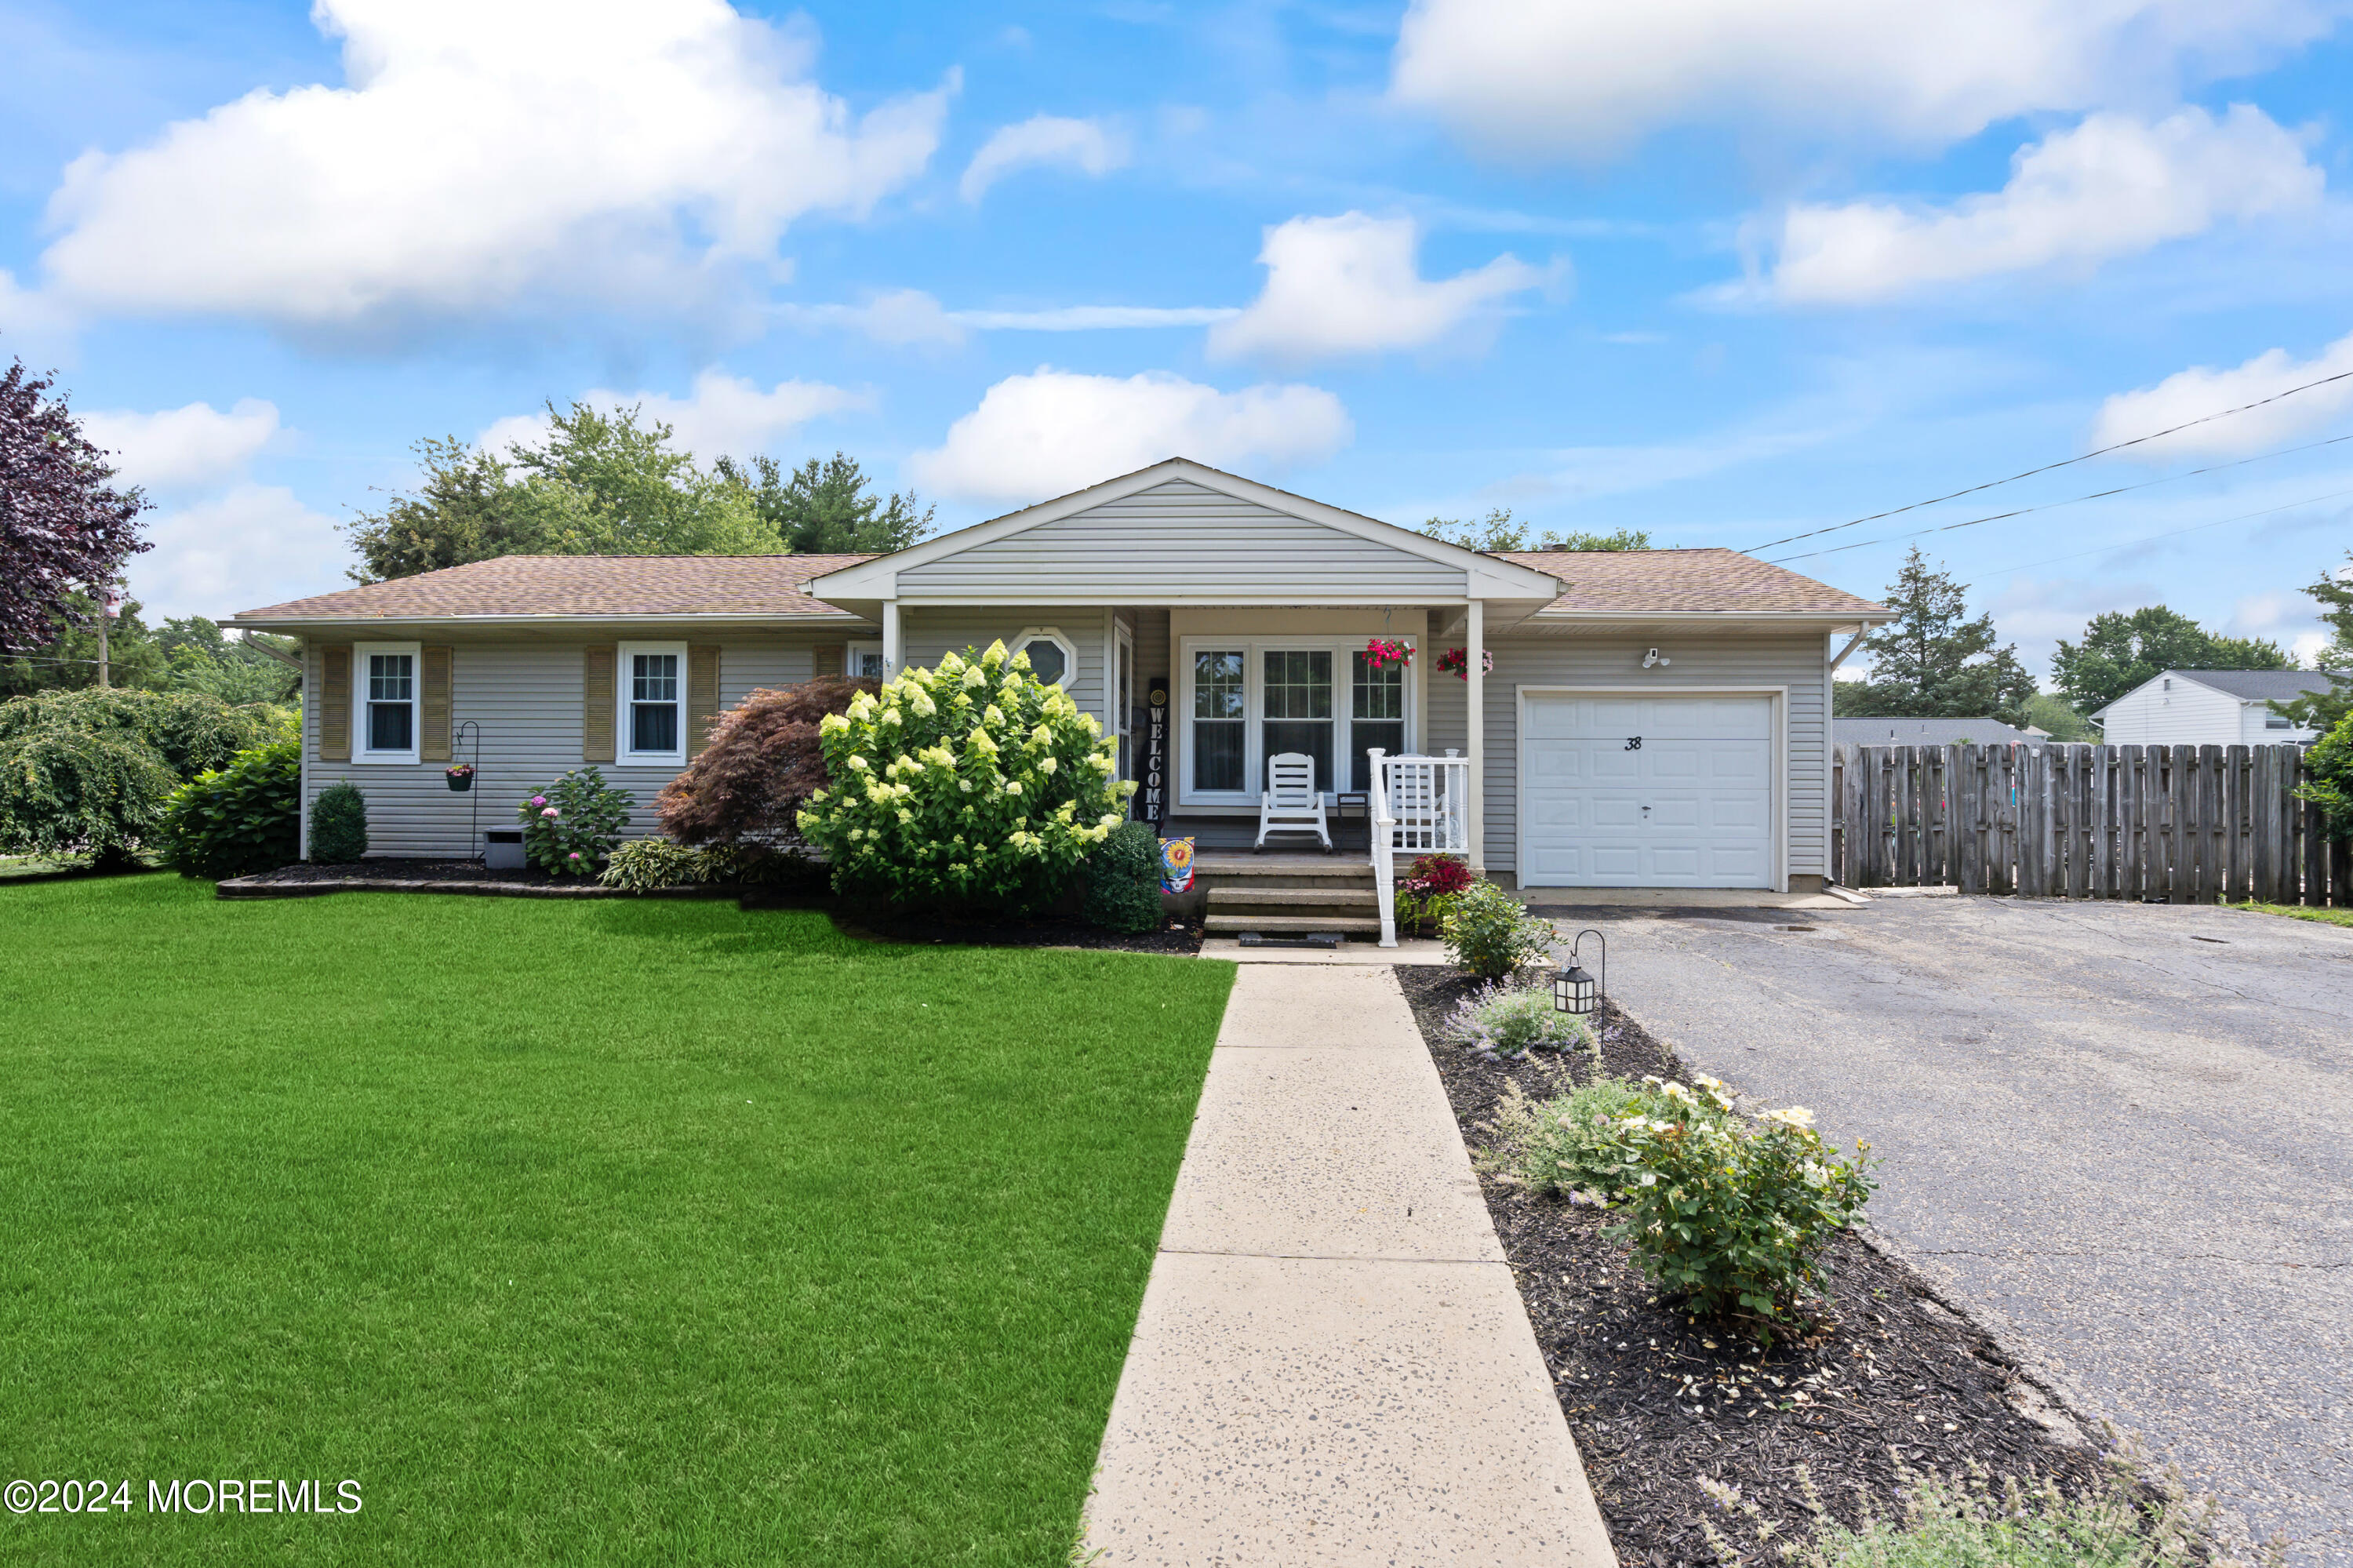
x,y
1383,826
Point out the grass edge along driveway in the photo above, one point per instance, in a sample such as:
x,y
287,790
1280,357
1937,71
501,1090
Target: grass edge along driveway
x,y
575,1232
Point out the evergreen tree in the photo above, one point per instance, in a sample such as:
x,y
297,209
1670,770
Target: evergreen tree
x,y
2122,648
826,509
1934,661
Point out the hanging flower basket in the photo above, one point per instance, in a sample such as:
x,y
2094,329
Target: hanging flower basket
x,y
461,778
1383,651
1456,661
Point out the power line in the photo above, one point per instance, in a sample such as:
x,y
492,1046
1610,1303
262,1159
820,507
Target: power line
x,y
2064,462
2077,501
2171,533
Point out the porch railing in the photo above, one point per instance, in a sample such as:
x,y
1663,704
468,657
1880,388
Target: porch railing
x,y
1420,805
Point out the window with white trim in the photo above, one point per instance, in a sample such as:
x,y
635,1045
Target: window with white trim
x,y
386,674
1245,699
863,660
1053,657
653,719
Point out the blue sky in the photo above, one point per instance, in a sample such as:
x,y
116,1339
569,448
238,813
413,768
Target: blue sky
x,y
1724,272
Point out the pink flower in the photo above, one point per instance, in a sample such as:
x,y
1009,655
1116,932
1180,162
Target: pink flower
x,y
576,854
549,814
539,800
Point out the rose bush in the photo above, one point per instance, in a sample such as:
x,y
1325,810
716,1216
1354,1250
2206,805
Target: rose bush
x,y
971,785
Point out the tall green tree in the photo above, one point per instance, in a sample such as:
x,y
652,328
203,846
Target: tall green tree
x,y
186,653
2122,648
827,508
1496,531
65,529
599,483
1933,661
2325,711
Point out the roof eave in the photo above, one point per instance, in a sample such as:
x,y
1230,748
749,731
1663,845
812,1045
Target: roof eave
x,y
715,620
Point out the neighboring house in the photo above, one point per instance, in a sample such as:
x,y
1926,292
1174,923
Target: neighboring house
x,y
1653,718
1933,732
2210,708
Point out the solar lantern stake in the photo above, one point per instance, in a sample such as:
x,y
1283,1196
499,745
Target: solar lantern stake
x,y
1574,991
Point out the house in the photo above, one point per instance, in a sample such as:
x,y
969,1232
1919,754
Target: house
x,y
1655,718
1932,732
2210,708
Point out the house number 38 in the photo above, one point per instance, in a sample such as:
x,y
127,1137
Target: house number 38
x,y
1634,743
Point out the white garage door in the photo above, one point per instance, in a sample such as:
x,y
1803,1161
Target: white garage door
x,y
1646,792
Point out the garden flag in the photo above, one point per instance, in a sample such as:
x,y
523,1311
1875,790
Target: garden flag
x,y
1176,864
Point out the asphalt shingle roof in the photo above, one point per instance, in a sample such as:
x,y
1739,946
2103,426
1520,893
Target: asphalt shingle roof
x,y
1712,582
582,584
2260,685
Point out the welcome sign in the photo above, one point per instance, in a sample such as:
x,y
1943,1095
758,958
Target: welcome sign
x,y
1152,795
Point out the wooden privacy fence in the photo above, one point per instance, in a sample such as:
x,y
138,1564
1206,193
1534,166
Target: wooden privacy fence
x,y
2169,825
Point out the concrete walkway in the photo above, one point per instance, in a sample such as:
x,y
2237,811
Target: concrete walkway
x,y
1332,1365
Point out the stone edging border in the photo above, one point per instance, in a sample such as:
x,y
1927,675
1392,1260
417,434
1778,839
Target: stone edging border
x,y
256,887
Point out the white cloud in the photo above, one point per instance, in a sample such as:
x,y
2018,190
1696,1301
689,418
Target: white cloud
x,y
182,449
1538,77
2201,390
32,324
2111,186
1042,141
1097,318
485,154
1351,285
725,416
912,316
1045,434
254,546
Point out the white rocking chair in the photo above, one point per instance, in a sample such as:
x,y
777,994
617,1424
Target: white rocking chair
x,y
1291,804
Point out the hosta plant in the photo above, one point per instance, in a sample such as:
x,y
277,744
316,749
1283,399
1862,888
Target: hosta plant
x,y
1732,1214
569,829
970,785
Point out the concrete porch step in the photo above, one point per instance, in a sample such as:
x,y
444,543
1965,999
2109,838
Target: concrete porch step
x,y
1228,900
1284,925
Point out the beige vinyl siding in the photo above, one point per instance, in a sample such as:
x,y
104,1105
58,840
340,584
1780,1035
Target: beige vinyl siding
x,y
927,635
1181,541
1795,662
527,699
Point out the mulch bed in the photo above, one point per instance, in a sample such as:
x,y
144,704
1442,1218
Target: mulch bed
x,y
1656,1402
387,868
1176,938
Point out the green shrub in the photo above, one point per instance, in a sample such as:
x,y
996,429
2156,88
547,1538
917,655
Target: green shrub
x,y
1732,1216
67,791
1489,932
2115,1520
338,825
2329,766
1570,1147
973,784
642,865
569,829
189,731
234,820
1123,879
1504,1020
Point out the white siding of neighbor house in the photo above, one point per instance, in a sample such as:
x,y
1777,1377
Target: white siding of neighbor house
x,y
1181,541
2189,714
1794,662
526,697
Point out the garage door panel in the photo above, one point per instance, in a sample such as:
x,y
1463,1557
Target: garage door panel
x,y
1705,771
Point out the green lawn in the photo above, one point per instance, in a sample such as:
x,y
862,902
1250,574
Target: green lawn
x,y
2298,912
605,1232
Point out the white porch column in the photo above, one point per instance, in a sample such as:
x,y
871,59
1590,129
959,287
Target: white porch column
x,y
1474,673
890,638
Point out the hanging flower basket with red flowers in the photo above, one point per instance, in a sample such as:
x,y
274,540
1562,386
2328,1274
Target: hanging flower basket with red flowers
x,y
1456,661
1383,651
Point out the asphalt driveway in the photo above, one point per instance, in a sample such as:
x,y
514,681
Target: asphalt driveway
x,y
2118,1132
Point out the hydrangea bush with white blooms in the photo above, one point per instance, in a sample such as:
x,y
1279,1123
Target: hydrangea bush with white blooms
x,y
972,784
1733,1214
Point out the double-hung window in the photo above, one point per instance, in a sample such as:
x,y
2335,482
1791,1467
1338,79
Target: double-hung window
x,y
653,703
864,660
385,674
1297,698
1220,718
1376,714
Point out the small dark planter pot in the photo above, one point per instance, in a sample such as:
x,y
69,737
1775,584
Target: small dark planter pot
x,y
459,782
